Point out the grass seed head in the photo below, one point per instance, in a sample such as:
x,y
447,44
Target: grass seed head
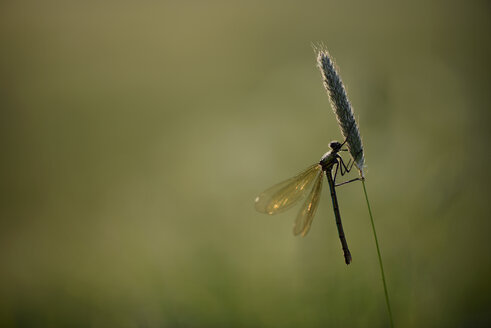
x,y
342,108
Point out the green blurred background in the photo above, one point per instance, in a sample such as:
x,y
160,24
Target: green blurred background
x,y
136,135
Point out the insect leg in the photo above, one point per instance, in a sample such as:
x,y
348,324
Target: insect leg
x,y
350,164
352,180
349,132
336,172
347,168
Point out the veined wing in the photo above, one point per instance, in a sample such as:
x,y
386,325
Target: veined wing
x,y
307,212
285,194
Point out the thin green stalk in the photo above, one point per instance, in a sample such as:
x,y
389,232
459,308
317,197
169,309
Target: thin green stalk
x,y
379,256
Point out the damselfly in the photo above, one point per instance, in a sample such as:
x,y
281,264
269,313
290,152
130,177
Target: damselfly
x,y
287,193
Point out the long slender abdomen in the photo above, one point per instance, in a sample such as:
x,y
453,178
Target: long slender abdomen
x,y
344,243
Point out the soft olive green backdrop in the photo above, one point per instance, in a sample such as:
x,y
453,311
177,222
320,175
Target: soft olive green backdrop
x,y
136,135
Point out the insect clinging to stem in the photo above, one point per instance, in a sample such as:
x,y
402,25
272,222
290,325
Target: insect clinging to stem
x,y
287,193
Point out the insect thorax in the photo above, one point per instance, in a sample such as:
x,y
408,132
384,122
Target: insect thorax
x,y
328,160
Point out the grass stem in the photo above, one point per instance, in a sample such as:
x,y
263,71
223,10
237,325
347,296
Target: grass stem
x,y
379,256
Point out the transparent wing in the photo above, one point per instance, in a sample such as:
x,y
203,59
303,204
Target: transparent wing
x,y
285,194
307,212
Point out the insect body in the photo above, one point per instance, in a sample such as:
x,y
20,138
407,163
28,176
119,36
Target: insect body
x,y
287,193
328,161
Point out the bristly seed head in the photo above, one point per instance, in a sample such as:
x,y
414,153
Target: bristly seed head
x,y
342,108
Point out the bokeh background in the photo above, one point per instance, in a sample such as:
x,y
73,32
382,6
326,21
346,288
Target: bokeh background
x,y
136,135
